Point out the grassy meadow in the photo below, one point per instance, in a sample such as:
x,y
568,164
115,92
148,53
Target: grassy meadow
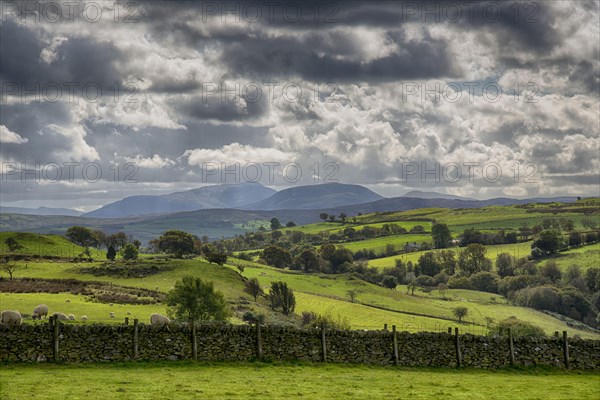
x,y
186,380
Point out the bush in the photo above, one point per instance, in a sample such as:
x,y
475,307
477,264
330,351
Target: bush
x,y
519,328
459,283
484,282
130,252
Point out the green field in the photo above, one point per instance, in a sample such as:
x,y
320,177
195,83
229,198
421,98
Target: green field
x,y
37,244
379,244
187,380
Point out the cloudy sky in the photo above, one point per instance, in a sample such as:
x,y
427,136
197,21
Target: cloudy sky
x,y
483,99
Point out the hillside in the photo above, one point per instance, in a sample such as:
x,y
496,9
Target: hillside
x,y
316,197
40,211
207,197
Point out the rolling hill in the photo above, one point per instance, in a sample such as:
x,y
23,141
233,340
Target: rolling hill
x,y
213,196
40,211
316,197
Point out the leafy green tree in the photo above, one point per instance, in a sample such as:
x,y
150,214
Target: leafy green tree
x,y
130,252
389,282
308,261
352,295
12,244
290,224
253,288
324,216
447,260
484,282
460,312
281,296
193,299
551,271
549,240
428,264
117,240
275,224
111,253
176,242
441,236
276,256
473,259
575,239
80,235
505,265
217,257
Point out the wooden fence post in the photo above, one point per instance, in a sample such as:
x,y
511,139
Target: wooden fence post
x,y
457,346
55,333
126,321
194,342
566,349
450,330
259,350
395,339
511,347
135,338
385,327
323,344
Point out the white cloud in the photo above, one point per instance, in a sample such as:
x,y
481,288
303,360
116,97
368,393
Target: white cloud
x,y
8,136
155,161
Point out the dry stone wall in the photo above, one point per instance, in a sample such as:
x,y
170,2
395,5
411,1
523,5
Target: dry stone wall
x,y
104,343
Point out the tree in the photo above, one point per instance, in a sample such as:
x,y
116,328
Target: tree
x,y
343,217
12,244
428,264
176,242
130,252
111,253
549,240
589,223
441,235
80,235
442,288
352,295
324,216
193,299
575,239
447,260
137,244
308,261
460,312
276,256
118,240
280,296
505,265
275,224
252,287
290,224
472,260
217,257
10,269
484,282
550,270
331,218
389,282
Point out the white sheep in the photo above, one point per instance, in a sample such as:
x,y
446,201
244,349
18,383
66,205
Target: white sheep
x,y
83,318
112,315
157,319
11,317
40,311
60,316
71,317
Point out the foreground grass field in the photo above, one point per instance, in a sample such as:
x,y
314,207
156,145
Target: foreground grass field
x,y
184,380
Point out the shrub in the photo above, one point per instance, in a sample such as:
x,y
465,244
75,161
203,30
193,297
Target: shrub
x,y
459,282
484,282
519,328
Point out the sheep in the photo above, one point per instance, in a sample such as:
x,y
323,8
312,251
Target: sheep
x,y
157,319
128,313
112,315
67,301
83,318
71,317
60,316
40,311
11,317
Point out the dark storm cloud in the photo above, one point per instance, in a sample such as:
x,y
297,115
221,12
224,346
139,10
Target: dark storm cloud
x,y
277,56
213,106
78,59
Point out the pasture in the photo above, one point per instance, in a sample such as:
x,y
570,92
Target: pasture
x,y
186,380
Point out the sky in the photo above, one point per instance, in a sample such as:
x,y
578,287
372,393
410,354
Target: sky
x,y
102,100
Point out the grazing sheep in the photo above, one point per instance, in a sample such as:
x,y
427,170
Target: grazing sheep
x,y
83,318
71,317
112,315
40,311
110,305
60,316
128,313
157,319
11,317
